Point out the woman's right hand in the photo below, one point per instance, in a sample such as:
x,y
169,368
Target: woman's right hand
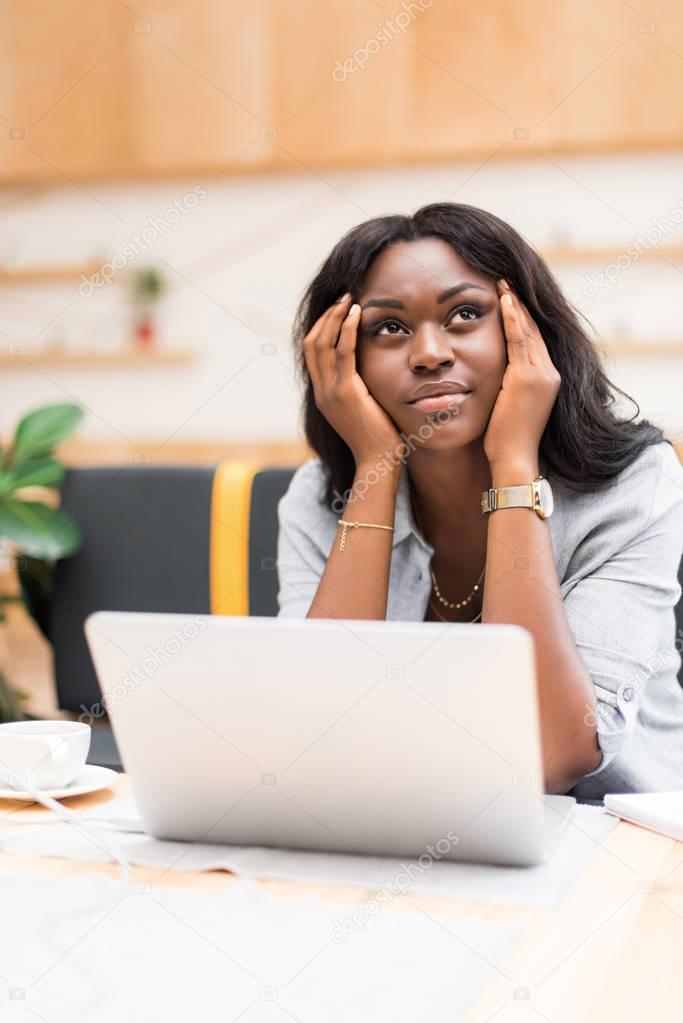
x,y
340,393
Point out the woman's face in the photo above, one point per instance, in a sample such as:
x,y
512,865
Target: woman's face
x,y
426,318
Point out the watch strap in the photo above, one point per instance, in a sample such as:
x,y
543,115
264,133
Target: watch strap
x,y
521,496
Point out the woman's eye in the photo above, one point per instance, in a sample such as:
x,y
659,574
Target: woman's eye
x,y
387,327
468,312
391,328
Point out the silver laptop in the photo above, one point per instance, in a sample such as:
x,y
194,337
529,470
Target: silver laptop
x,y
365,737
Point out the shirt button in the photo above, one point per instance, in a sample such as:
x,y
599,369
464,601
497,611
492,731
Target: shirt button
x,y
628,693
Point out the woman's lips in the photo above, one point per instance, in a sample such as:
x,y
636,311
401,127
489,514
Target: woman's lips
x,y
440,401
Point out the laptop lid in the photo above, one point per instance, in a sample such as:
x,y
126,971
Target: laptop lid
x,y
355,736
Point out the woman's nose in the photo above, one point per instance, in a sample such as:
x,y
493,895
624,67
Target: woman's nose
x,y
430,350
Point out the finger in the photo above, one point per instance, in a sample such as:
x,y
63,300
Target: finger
x,y
538,352
336,307
529,329
326,342
314,334
540,348
345,351
515,336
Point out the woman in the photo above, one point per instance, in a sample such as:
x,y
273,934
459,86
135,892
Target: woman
x,y
441,362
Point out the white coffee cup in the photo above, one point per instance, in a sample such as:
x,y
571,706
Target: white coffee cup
x,y
42,754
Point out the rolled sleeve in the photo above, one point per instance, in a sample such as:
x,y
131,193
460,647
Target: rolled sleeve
x,y
621,614
304,524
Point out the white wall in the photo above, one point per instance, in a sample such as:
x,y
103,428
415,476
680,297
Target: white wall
x,y
239,260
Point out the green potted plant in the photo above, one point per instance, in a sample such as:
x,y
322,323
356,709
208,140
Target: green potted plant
x,y
33,532
148,286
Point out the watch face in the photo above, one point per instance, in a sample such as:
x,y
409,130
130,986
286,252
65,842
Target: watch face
x,y
546,497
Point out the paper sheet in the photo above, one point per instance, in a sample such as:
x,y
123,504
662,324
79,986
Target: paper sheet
x,y
660,811
96,950
543,884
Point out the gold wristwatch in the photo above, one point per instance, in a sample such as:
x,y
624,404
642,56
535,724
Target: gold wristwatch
x,y
536,495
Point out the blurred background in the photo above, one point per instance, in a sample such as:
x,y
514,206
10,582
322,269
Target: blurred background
x,y
173,172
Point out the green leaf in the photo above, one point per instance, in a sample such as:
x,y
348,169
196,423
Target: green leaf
x,y
149,284
32,472
39,431
37,530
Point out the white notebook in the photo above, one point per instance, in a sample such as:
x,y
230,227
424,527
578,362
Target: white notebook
x,y
659,811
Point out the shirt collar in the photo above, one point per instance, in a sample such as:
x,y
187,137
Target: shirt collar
x,y
404,520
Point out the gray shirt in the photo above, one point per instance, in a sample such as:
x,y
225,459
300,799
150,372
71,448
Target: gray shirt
x,y
617,552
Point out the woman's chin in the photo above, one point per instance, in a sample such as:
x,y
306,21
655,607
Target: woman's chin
x,y
428,425
437,431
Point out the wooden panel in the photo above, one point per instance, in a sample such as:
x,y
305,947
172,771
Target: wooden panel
x,y
202,86
574,76
147,451
342,104
46,274
93,358
62,90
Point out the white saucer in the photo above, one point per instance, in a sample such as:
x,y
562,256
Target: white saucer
x,y
90,779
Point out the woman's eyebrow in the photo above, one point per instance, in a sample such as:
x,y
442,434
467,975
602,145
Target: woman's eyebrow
x,y
457,289
393,303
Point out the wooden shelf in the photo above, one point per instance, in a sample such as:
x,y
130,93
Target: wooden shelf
x,y
94,359
133,358
642,349
77,451
46,274
570,254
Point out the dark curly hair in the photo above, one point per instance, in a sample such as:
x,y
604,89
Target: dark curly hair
x,y
584,444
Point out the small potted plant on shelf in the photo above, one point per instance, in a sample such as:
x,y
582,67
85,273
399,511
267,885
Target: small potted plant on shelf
x,y
148,285
33,533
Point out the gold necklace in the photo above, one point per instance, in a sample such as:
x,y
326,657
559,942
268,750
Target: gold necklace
x,y
451,605
448,621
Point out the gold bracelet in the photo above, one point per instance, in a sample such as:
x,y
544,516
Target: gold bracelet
x,y
346,524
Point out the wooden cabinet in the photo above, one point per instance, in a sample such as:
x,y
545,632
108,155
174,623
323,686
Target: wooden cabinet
x,y
63,89
116,88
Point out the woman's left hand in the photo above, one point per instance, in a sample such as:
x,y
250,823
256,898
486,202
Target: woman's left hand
x,y
528,391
